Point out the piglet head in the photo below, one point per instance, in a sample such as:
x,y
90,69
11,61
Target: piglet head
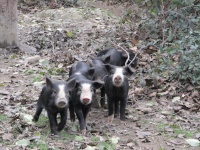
x,y
59,91
118,73
86,91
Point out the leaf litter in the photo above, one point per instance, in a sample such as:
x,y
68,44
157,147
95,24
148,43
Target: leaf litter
x,y
157,109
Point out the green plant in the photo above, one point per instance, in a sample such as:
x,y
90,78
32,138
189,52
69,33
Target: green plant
x,y
173,27
3,117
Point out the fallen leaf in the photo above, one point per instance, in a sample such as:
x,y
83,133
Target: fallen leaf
x,y
114,140
3,92
142,135
176,99
193,142
78,138
7,136
23,142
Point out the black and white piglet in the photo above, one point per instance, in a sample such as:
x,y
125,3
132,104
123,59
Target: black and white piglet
x,y
117,87
55,99
100,74
81,98
81,68
116,57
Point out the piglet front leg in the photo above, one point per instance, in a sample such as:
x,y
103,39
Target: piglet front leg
x,y
123,108
53,122
81,119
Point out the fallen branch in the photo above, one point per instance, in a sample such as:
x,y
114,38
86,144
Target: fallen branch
x,y
123,50
143,47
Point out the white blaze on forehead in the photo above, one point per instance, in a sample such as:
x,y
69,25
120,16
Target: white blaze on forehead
x,y
61,92
77,73
86,92
118,73
61,96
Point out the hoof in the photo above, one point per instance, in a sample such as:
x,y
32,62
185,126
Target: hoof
x,y
110,118
83,132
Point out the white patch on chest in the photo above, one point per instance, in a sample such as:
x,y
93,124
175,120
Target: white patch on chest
x,y
118,77
86,93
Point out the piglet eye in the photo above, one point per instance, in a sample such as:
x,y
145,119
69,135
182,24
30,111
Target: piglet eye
x,y
55,92
79,90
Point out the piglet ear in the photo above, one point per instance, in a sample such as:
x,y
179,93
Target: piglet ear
x,y
91,71
106,59
124,54
48,82
134,63
97,84
71,84
129,70
108,67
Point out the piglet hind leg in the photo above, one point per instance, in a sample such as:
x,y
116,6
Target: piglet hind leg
x,y
38,112
102,97
110,110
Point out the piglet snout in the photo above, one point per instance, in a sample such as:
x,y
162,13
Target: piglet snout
x,y
62,103
86,100
117,79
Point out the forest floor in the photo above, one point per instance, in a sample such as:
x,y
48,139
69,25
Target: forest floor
x,y
161,114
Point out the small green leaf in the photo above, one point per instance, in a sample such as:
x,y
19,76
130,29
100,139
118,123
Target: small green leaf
x,y
79,138
70,34
91,148
176,99
23,142
27,118
43,62
114,140
74,128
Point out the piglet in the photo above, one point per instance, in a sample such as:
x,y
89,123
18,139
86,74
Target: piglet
x,y
100,74
82,96
55,99
116,57
117,87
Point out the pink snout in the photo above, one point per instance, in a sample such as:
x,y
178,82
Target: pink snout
x,y
86,100
117,79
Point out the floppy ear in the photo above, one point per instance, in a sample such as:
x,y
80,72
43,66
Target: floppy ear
x,y
106,59
91,72
108,67
129,70
124,54
49,83
134,63
97,84
71,84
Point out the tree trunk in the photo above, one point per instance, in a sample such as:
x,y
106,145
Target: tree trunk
x,y
8,23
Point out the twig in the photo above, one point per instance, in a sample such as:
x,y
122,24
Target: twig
x,y
53,47
144,47
123,50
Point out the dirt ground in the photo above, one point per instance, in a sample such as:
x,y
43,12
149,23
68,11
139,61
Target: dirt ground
x,y
159,117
